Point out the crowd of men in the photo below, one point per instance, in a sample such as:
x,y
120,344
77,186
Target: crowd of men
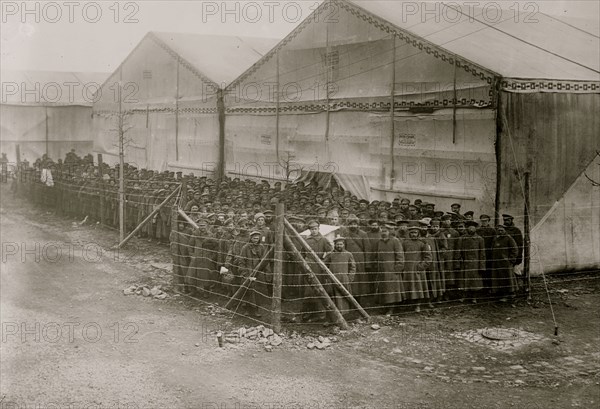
x,y
389,255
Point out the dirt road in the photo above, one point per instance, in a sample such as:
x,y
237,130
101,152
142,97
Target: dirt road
x,y
71,339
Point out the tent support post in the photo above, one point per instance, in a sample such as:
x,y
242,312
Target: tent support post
x,y
102,204
498,147
278,268
277,110
221,110
527,241
392,114
177,115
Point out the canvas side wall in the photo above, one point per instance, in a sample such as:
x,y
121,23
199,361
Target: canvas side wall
x,y
39,130
554,136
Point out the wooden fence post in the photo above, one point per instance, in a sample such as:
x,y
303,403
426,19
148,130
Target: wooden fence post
x,y
278,268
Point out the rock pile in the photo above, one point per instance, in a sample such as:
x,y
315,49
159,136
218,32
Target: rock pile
x,y
260,334
143,290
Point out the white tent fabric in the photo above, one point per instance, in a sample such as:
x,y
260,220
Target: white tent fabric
x,y
511,42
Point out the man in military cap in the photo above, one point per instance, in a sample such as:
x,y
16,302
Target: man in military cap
x,y
427,209
472,257
514,232
455,208
436,273
404,203
357,242
262,288
342,265
402,230
504,254
202,273
414,213
469,215
313,308
390,265
363,205
487,233
417,258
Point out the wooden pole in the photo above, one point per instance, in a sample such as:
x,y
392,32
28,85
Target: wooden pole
x,y
47,154
247,281
121,170
103,192
278,268
321,264
393,115
18,174
221,112
148,218
526,238
314,281
187,218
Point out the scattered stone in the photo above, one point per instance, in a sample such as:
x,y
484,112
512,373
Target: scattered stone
x,y
155,291
375,327
516,367
161,296
387,341
146,292
196,345
321,345
276,340
321,339
310,345
478,368
428,369
268,348
130,291
267,332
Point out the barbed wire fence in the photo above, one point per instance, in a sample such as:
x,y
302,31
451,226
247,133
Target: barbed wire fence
x,y
281,278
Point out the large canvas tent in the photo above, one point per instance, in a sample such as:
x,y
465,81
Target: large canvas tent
x,y
454,109
171,86
47,112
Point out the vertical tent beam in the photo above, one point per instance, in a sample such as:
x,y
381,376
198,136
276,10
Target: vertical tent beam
x,y
18,171
177,115
499,116
103,192
221,112
277,101
527,242
455,102
392,114
46,111
327,82
278,268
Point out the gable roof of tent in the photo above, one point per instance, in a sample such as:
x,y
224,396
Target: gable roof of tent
x,y
50,88
516,46
551,50
220,58
229,55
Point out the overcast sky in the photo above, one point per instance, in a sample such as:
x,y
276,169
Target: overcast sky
x,y
97,36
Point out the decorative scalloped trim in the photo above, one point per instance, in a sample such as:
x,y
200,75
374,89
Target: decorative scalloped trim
x,y
363,106
583,87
